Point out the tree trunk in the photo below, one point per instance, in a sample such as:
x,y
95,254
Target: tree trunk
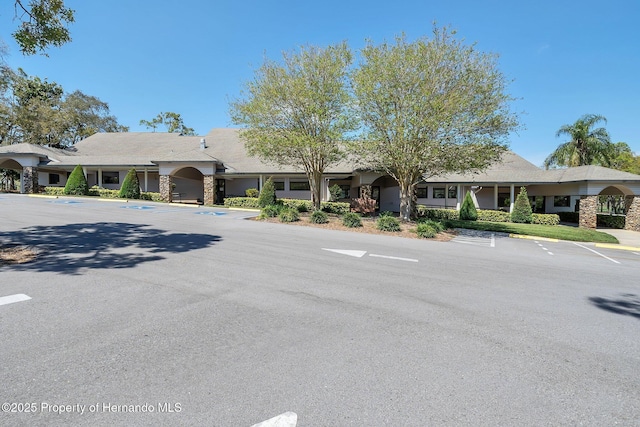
x,y
315,184
406,198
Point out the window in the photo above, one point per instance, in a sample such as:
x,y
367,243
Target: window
x,y
346,190
452,192
299,186
54,178
562,201
421,192
278,185
110,178
438,192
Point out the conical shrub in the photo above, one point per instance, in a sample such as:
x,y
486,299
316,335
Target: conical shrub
x,y
468,210
267,194
130,188
522,208
77,183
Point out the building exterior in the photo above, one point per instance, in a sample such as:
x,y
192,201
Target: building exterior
x,y
195,169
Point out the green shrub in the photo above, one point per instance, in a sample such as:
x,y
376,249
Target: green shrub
x,y
54,191
388,223
251,192
426,230
468,210
297,204
77,183
385,213
569,217
493,216
104,193
267,194
271,211
130,188
319,217
241,202
288,215
546,219
151,195
437,214
351,220
336,192
522,208
611,221
338,208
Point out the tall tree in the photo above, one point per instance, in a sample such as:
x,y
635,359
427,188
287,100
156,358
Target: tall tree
x,y
43,24
624,159
430,107
172,121
296,112
586,146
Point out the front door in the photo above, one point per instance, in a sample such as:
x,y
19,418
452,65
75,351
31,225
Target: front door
x,y
375,195
220,191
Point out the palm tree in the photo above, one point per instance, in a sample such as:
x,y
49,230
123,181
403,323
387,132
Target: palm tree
x,y
587,146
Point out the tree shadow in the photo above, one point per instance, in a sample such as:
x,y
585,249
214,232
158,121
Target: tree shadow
x,y
626,304
68,249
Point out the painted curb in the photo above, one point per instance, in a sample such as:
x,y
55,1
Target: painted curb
x,y
614,246
522,236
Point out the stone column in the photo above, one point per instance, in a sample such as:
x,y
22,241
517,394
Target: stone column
x,y
30,180
165,188
365,191
588,208
632,221
209,183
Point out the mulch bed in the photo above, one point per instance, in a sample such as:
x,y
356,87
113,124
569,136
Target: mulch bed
x,y
368,226
16,255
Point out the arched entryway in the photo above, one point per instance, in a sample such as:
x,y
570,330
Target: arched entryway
x,y
187,186
614,200
10,175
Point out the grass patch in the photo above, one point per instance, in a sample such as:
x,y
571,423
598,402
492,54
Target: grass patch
x,y
551,231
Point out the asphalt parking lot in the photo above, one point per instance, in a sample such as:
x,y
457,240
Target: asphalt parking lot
x,y
152,314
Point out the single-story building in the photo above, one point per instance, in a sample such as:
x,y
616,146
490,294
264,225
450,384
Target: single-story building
x,y
208,169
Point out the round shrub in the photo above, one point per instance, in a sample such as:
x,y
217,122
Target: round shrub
x,y
288,215
271,211
130,188
388,223
77,183
436,225
319,217
251,192
426,230
351,220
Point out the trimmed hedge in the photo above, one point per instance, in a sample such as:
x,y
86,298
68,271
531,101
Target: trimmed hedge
x,y
437,214
130,188
241,202
611,221
151,196
569,217
77,183
468,211
545,219
104,193
54,191
493,216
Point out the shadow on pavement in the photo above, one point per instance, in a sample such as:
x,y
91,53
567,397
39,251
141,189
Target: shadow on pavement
x,y
627,304
69,248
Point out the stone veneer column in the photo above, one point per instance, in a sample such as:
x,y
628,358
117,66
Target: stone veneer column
x,y
165,188
632,222
209,189
588,217
30,180
365,191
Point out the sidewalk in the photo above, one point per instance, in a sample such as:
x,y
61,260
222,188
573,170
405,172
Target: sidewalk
x,y
625,237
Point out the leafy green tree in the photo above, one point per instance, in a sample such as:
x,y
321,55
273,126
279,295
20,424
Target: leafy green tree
x,y
623,159
172,121
77,183
296,112
430,107
44,23
84,115
267,194
522,212
130,188
468,211
586,146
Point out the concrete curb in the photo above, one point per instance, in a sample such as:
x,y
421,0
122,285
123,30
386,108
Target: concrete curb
x,y
620,247
523,236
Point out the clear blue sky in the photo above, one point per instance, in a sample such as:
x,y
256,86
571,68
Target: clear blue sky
x,y
566,58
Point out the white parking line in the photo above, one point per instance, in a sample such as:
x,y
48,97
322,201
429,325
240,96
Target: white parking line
x,y
597,253
14,298
394,257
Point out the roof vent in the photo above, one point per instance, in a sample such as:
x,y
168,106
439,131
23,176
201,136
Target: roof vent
x,y
203,143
